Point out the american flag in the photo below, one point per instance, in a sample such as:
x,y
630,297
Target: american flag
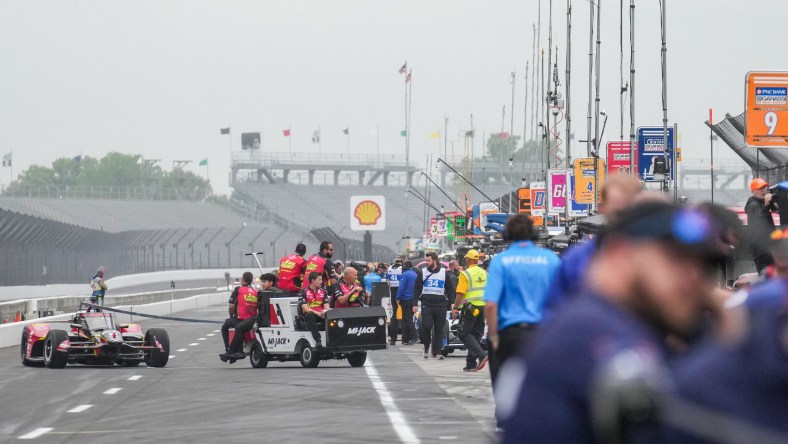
x,y
7,160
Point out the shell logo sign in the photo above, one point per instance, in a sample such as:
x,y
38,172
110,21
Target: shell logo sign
x,y
367,213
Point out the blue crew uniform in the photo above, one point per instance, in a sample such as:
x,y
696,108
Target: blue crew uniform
x,y
369,279
569,280
517,282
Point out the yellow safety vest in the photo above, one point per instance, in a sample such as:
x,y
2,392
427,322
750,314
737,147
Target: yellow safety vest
x,y
477,281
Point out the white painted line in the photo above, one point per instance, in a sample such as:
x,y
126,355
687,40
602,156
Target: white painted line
x,y
36,433
172,356
193,344
200,339
80,408
181,350
134,378
112,391
396,417
209,334
216,331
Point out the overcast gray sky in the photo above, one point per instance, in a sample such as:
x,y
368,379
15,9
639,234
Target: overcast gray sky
x,y
161,77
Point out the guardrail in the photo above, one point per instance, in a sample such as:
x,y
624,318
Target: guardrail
x,y
29,308
10,334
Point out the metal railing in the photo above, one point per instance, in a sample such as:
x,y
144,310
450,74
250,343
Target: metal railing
x,y
86,192
278,160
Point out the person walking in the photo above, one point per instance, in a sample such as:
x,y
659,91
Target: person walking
x,y
393,276
518,279
404,299
435,290
469,308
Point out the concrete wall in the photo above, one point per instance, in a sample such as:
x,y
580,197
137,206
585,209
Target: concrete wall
x,y
11,334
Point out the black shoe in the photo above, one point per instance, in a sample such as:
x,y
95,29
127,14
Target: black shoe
x,y
392,342
470,368
232,361
223,357
237,355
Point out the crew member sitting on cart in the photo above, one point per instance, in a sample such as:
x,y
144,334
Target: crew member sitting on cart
x,y
314,302
247,308
347,292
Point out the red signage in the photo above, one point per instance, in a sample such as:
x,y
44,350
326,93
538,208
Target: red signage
x,y
618,152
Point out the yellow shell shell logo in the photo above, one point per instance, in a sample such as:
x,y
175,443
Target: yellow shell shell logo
x,y
367,212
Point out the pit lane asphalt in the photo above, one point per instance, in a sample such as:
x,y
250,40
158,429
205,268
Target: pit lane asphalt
x,y
197,398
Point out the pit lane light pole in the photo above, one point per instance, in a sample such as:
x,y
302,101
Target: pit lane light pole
x,y
419,196
463,178
463,211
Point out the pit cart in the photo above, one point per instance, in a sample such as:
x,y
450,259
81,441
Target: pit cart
x,y
92,338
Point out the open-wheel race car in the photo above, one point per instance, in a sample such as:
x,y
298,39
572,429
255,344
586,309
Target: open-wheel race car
x,y
348,333
92,338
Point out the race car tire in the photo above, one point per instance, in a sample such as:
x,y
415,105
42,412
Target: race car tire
x,y
25,361
54,358
357,359
308,357
157,358
257,358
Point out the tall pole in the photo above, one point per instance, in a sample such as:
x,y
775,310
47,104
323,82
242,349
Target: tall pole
x,y
541,110
597,73
407,135
512,80
665,91
547,97
621,68
409,85
445,135
568,82
590,76
711,152
632,87
533,84
525,116
290,137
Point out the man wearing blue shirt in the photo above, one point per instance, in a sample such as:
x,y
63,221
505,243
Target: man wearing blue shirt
x,y
517,283
405,300
651,278
374,275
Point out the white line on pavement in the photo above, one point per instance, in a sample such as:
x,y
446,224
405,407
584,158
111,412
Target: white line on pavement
x,y
201,339
80,408
209,334
181,350
112,391
216,331
135,377
172,356
36,433
396,417
193,344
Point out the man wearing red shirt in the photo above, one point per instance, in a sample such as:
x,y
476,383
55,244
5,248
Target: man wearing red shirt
x,y
314,302
291,270
247,308
347,292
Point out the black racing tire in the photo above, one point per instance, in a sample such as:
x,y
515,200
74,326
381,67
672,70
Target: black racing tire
x,y
157,358
308,356
257,357
357,359
23,349
54,358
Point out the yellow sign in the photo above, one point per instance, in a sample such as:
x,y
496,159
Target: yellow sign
x,y
678,154
589,177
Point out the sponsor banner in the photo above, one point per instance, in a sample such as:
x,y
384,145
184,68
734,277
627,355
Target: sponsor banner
x,y
250,141
589,175
654,164
556,187
367,213
575,209
538,199
524,200
766,107
486,208
618,153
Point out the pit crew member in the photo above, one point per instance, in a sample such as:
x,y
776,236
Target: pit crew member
x,y
321,263
291,270
247,308
314,302
99,288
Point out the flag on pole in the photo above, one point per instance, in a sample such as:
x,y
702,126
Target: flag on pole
x,y
403,133
286,132
204,162
7,160
407,78
224,131
469,133
346,130
503,135
316,136
435,135
404,68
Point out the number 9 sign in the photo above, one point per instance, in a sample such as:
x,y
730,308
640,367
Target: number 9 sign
x,y
767,109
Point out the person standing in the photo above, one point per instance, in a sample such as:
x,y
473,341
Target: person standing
x,y
518,279
435,290
291,270
99,288
321,263
404,298
393,276
759,208
469,308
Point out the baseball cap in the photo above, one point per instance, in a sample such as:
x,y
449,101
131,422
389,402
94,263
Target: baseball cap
x,y
399,259
472,255
407,264
300,249
758,183
704,231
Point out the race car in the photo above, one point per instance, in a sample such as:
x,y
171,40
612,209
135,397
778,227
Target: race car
x,y
92,338
283,335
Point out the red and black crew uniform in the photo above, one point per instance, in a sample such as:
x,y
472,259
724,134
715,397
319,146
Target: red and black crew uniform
x,y
314,301
291,270
354,292
248,307
321,263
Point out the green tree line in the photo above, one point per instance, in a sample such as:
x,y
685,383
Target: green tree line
x,y
115,170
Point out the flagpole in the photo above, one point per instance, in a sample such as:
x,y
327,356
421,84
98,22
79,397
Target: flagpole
x,y
377,143
348,138
290,138
319,142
